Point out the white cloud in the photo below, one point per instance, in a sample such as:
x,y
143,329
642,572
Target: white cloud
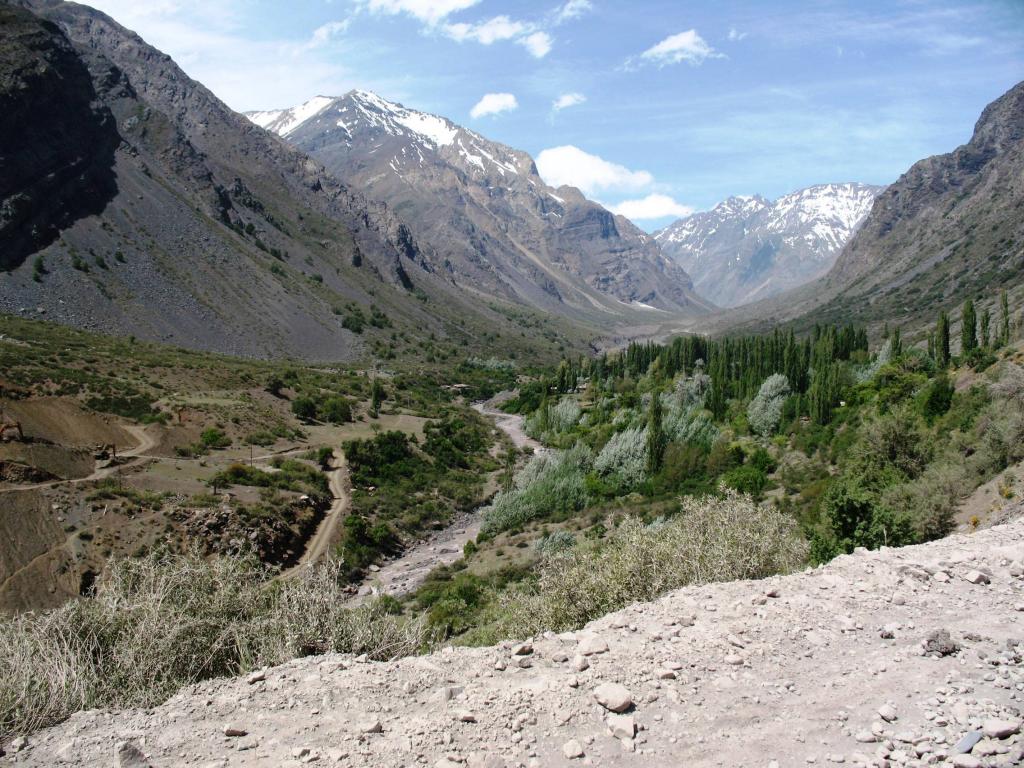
x,y
573,9
207,41
735,35
428,11
654,206
487,32
685,46
494,104
590,173
502,28
538,44
567,100
323,34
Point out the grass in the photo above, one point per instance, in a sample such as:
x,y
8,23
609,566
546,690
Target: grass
x,y
710,539
160,623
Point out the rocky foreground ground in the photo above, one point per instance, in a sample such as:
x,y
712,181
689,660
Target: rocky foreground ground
x,y
903,657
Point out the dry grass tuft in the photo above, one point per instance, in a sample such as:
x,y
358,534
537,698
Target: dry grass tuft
x,y
160,623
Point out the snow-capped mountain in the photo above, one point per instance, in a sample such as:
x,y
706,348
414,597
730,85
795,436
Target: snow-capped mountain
x,y
490,221
748,248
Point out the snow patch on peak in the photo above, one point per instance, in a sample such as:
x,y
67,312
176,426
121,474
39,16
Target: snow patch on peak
x,y
437,130
284,121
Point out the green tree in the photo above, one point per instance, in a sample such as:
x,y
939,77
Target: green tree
x,y
336,410
968,329
304,408
823,394
275,385
1004,319
376,397
655,435
986,323
942,341
937,398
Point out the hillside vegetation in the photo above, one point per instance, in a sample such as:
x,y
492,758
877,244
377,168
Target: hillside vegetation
x,y
663,466
812,447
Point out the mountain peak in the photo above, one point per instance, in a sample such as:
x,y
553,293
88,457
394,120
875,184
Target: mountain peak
x,y
748,247
494,223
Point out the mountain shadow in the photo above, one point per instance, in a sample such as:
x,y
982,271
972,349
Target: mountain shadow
x,y
57,142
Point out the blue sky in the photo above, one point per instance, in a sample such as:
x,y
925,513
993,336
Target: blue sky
x,y
662,107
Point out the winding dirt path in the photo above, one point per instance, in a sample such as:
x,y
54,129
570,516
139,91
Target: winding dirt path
x,y
136,454
320,543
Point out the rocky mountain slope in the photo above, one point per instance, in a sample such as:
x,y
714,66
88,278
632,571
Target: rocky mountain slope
x,y
749,248
138,203
950,227
492,223
898,657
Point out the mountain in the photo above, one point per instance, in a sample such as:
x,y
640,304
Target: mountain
x,y
950,228
135,202
491,222
749,248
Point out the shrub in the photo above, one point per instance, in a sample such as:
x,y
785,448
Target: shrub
x,y
336,410
558,418
161,623
746,479
214,438
937,398
304,408
551,484
623,460
712,539
690,426
555,542
765,410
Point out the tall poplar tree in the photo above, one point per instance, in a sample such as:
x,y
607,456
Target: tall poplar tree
x,y
942,342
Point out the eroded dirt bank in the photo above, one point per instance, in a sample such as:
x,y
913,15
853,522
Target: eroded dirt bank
x,y
831,666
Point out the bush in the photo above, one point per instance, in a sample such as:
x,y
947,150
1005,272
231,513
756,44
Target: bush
x,y
158,624
214,438
711,539
336,410
937,398
558,418
551,484
304,408
746,479
623,460
765,410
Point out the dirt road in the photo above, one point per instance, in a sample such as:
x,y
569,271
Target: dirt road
x,y
136,454
326,533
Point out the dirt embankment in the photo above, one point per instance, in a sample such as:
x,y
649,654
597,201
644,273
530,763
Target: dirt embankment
x,y
66,422
907,657
32,556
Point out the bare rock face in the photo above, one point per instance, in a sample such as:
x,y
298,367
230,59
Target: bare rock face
x,y
489,218
818,684
133,201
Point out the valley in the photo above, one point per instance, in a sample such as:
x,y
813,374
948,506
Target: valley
x,y
352,433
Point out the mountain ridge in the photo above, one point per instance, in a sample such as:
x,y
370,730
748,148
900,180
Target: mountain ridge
x,y
209,232
748,247
484,209
950,228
